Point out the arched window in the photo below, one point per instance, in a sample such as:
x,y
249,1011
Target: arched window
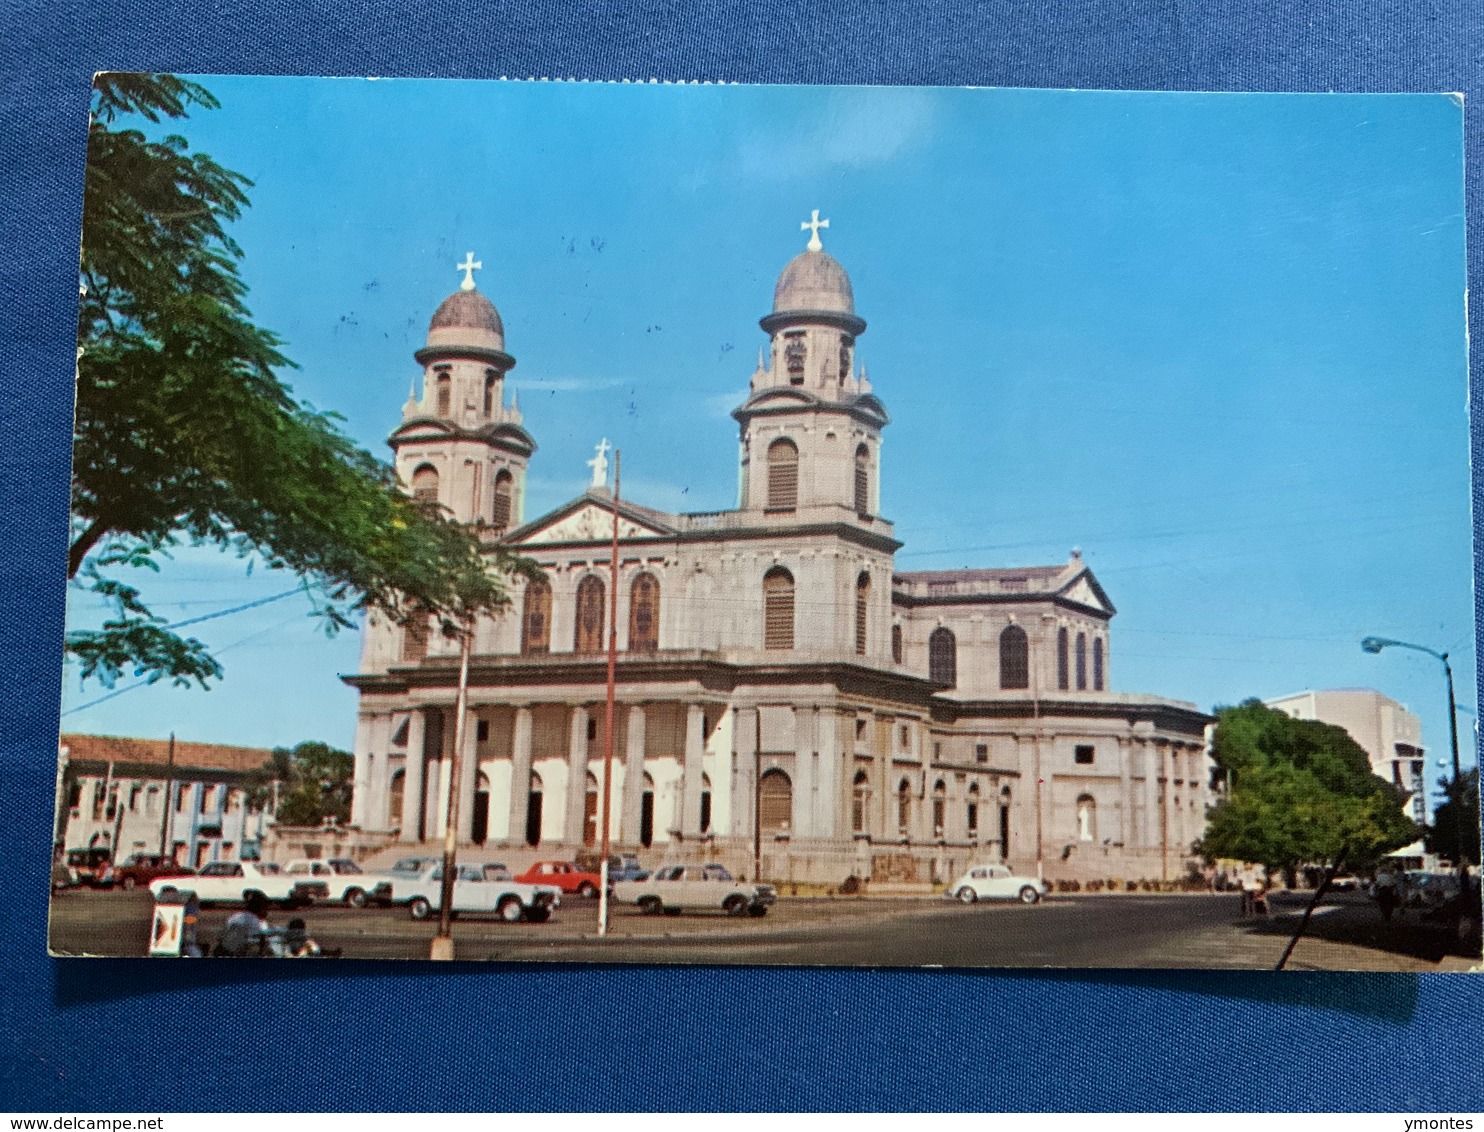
x,y
783,476
491,382
860,802
862,480
904,807
415,639
775,802
1063,667
940,807
1015,658
778,609
644,614
794,352
943,657
1087,818
588,634
862,605
425,484
646,813
445,393
705,803
896,644
973,814
846,344
1081,662
535,626
504,509
535,802
1097,664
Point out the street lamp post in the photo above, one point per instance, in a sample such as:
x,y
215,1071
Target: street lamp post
x,y
1375,645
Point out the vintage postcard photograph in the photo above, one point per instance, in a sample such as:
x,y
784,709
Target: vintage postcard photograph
x,y
692,524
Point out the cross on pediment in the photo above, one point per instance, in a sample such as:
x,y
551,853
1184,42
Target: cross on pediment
x,y
813,225
468,267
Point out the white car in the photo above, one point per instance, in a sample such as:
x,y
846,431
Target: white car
x,y
346,882
677,888
475,890
232,882
996,882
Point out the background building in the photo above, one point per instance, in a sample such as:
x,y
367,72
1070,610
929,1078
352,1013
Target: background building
x,y
788,699
139,796
1390,734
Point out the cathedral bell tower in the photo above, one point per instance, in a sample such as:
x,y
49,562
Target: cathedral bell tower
x,y
459,444
811,428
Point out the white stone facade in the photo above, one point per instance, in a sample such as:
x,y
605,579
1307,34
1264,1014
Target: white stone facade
x,y
786,699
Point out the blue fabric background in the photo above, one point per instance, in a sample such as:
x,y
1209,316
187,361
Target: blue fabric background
x,y
130,1035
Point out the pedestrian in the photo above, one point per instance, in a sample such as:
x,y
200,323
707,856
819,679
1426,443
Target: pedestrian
x,y
248,932
1386,894
1260,896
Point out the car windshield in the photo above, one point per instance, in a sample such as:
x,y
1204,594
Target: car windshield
x,y
496,872
717,872
346,868
409,865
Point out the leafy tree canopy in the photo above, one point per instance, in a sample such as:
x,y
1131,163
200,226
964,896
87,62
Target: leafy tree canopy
x,y
1298,792
312,783
1456,820
186,435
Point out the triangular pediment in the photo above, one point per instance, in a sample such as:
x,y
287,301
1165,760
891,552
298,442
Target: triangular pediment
x,y
586,520
1084,590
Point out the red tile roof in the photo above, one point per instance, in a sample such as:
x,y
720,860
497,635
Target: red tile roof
x,y
109,748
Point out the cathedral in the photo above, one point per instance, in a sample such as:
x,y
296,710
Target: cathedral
x,y
788,701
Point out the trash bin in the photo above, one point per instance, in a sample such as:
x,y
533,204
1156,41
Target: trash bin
x,y
173,931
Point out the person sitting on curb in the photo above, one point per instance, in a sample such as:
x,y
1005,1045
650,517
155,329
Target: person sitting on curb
x,y
248,933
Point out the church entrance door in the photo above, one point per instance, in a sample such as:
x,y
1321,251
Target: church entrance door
x,y
481,817
646,819
533,818
1004,833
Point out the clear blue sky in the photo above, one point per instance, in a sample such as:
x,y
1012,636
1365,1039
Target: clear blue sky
x,y
1216,341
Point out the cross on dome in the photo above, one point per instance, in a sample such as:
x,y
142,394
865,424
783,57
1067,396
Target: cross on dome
x,y
599,464
813,225
469,267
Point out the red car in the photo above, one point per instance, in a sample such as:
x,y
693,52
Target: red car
x,y
142,868
564,875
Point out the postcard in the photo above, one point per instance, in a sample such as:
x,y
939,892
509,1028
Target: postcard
x,y
645,523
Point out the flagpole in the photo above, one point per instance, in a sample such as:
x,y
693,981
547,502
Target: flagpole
x,y
608,707
442,946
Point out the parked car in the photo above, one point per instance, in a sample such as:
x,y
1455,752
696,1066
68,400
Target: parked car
x,y
378,881
625,866
997,882
141,868
91,868
476,889
346,882
679,888
231,882
564,875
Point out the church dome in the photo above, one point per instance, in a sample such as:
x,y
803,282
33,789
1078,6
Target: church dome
x,y
813,281
467,318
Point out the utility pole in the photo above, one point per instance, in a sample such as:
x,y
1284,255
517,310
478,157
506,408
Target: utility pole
x,y
169,788
443,942
605,802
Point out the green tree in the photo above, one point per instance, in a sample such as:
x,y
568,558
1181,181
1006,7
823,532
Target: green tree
x,y
1457,819
1298,792
312,782
185,434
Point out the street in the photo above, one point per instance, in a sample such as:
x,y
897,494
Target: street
x,y
1129,931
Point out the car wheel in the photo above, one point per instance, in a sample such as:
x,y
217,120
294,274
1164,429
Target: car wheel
x,y
419,908
735,905
509,909
129,883
355,898
967,895
587,890
537,915
1029,895
650,905
757,911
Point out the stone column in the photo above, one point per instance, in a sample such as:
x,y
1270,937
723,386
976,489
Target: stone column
x,y
1125,792
576,776
377,818
436,777
886,817
412,778
468,760
805,744
360,789
1166,833
827,740
695,748
633,778
1150,763
520,774
744,797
